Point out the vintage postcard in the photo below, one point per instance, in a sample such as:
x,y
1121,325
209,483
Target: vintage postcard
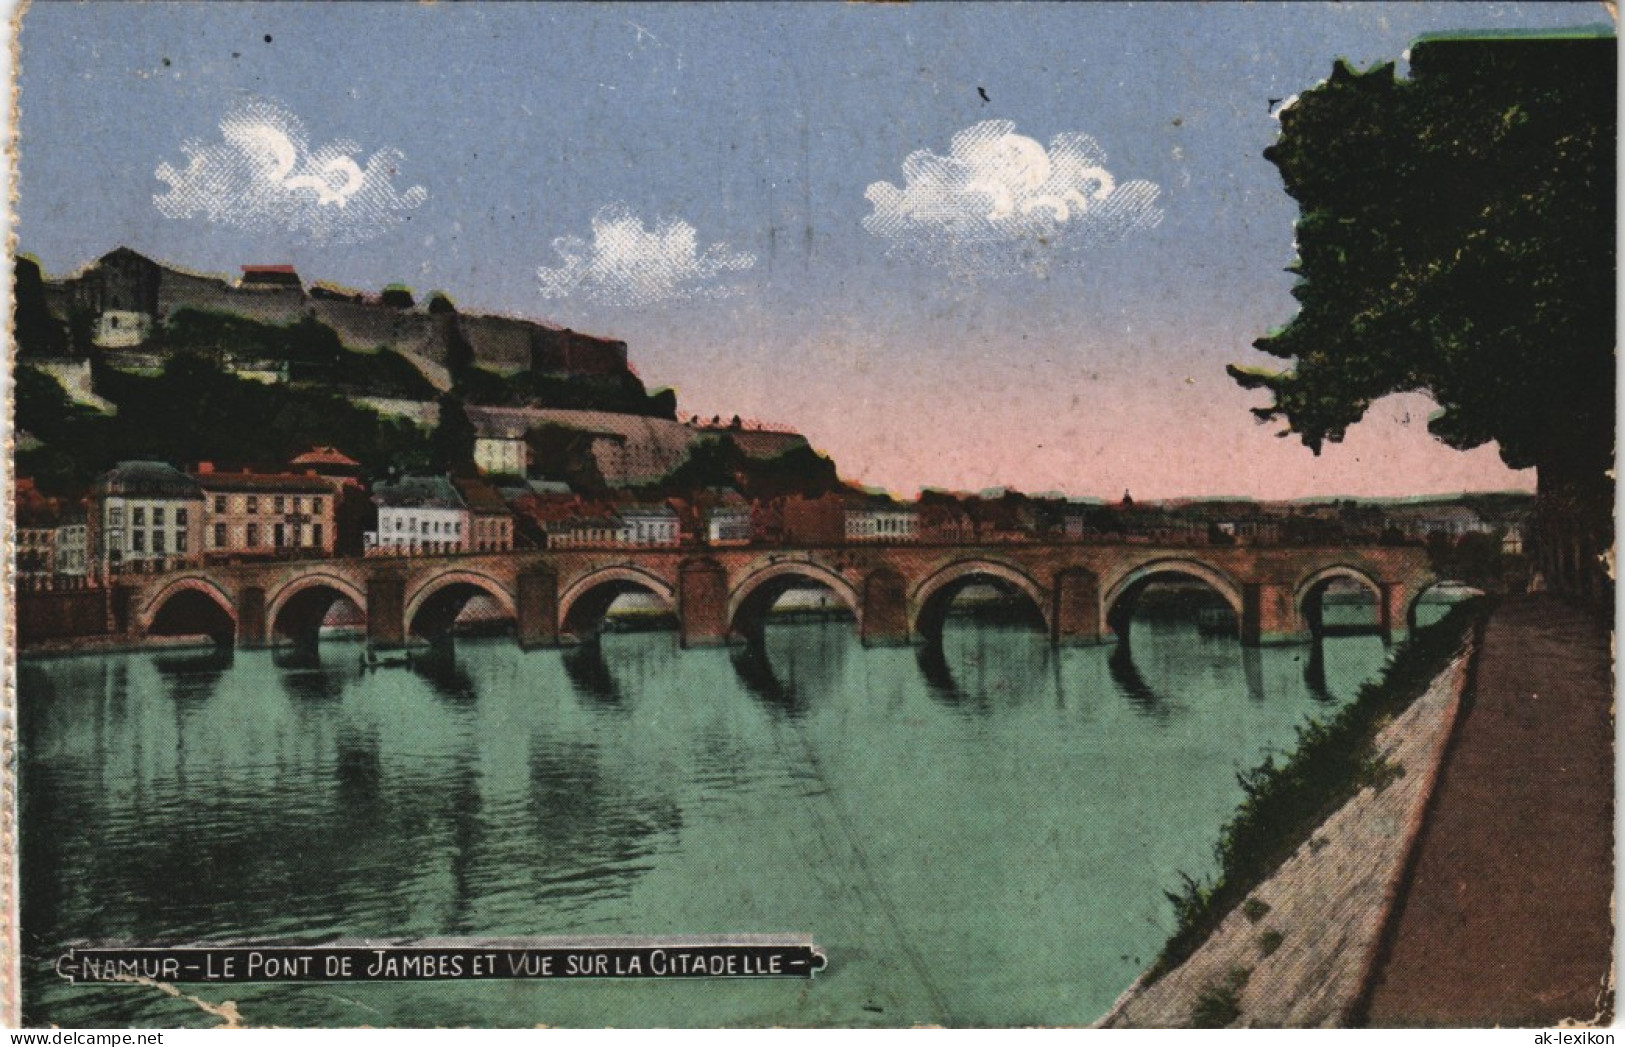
x,y
819,515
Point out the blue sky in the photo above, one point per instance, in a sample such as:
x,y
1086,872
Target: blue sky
x,y
704,182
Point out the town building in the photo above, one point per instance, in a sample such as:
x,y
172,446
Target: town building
x,y
148,515
500,448
877,522
586,532
729,520
35,517
417,515
538,503
51,539
270,276
36,550
72,551
797,520
650,525
1422,520
946,523
328,462
501,456
265,515
490,522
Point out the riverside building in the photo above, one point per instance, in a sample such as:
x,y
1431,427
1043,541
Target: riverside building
x,y
147,514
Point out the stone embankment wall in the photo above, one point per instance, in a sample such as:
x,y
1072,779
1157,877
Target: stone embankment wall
x,y
1298,953
49,616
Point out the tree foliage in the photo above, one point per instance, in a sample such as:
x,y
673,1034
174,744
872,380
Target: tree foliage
x,y
192,411
718,461
621,393
453,439
1456,236
39,333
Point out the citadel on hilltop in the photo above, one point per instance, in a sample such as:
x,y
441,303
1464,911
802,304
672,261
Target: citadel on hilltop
x,y
123,298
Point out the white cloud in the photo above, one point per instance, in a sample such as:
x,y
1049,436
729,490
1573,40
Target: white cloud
x,y
628,264
1001,202
264,175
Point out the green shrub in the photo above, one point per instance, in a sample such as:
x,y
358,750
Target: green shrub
x,y
1219,1005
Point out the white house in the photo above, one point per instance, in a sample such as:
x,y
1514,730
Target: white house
x,y
650,524
878,523
501,456
499,439
72,548
728,525
150,516
121,329
417,515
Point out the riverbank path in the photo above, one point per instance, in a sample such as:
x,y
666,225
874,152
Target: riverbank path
x,y
1505,916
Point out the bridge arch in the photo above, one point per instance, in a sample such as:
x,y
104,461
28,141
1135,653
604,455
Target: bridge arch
x,y
1413,600
585,601
189,605
297,608
434,602
1309,593
928,604
751,599
1117,599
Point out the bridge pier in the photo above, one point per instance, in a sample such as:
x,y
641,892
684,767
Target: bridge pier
x,y
1269,616
885,610
1394,603
1075,616
252,628
538,624
702,603
386,610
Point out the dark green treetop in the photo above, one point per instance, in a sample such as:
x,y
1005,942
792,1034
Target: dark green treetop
x,y
1456,236
38,332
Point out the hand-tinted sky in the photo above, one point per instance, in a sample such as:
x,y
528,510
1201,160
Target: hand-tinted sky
x,y
725,188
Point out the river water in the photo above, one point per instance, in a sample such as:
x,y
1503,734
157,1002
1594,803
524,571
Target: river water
x,y
980,835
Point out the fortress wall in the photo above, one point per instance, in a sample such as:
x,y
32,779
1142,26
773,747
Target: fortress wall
x,y
506,345
369,326
183,291
500,344
566,352
270,305
764,445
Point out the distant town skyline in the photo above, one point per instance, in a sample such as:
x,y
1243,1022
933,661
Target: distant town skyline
x,y
956,246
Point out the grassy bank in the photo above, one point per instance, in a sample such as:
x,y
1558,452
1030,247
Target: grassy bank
x,y
1285,801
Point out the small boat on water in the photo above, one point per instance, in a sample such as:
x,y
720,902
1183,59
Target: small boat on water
x,y
371,659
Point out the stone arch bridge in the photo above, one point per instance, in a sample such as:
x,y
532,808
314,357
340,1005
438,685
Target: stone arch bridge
x,y
897,594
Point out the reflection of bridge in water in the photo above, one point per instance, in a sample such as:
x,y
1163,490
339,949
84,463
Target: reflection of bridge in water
x,y
1083,593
